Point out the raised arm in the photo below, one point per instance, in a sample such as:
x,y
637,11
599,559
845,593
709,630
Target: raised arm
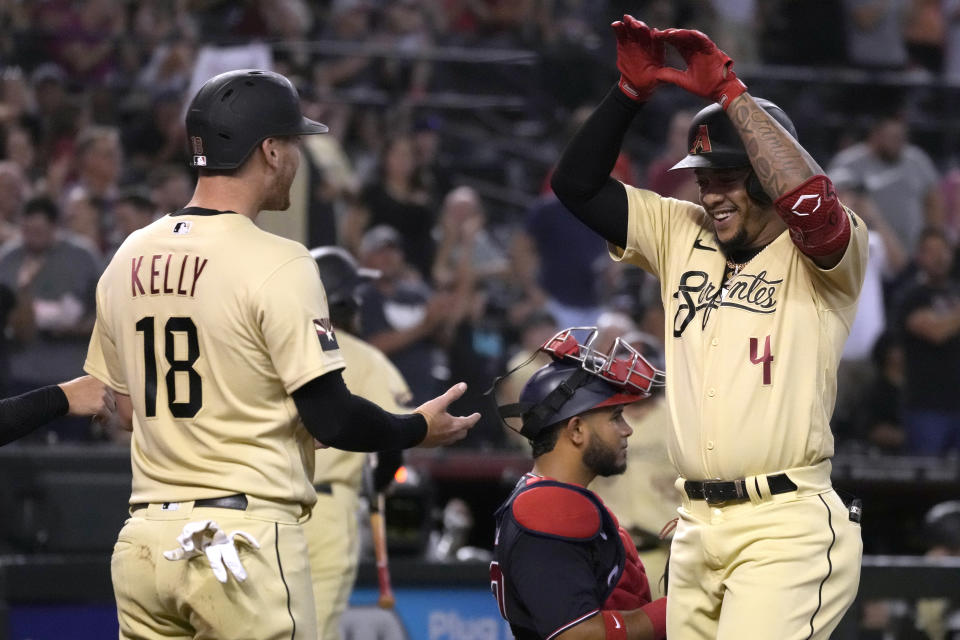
x,y
582,179
780,162
803,197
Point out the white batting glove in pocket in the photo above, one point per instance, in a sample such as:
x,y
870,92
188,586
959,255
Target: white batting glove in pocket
x,y
205,537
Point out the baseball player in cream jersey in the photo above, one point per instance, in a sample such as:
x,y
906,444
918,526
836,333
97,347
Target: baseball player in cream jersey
x,y
760,282
332,534
216,338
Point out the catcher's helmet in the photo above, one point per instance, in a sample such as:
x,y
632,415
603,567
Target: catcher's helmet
x,y
237,110
340,274
713,143
579,379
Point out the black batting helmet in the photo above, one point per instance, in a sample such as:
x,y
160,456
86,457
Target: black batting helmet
x,y
237,110
713,143
340,274
579,379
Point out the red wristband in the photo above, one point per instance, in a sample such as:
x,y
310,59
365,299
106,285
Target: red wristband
x,y
657,612
616,628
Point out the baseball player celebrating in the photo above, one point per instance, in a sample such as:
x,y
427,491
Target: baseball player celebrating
x,y
760,283
332,534
215,335
563,567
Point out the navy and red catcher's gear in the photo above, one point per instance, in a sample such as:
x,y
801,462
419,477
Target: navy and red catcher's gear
x,y
560,558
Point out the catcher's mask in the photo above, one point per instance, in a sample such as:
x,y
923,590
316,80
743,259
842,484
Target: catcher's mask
x,y
579,378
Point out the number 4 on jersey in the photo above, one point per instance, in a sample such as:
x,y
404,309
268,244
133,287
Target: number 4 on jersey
x,y
765,359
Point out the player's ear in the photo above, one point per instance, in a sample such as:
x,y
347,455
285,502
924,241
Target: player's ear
x,y
270,153
576,430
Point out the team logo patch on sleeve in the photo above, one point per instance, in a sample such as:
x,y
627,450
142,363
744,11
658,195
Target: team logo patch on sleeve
x,y
328,340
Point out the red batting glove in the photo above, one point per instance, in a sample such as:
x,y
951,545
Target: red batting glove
x,y
709,72
639,58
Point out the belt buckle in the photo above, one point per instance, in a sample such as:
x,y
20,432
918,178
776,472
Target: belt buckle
x,y
713,494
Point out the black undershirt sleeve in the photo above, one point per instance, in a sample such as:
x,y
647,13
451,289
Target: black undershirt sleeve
x,y
582,179
339,419
22,414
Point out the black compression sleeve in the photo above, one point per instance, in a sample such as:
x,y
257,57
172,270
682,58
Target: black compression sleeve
x,y
339,419
22,414
582,178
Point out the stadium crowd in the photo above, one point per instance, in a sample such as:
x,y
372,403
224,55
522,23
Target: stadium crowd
x,y
446,117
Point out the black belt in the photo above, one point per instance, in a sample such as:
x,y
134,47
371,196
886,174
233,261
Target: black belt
x,y
720,491
237,501
324,487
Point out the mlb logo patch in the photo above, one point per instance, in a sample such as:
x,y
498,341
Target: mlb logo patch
x,y
328,341
182,226
199,161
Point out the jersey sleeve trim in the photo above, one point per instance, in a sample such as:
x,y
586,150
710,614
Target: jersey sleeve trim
x,y
572,623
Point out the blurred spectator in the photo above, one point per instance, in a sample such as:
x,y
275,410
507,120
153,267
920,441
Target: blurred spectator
x,y
538,327
349,21
924,35
673,184
400,315
899,177
879,415
132,210
886,260
170,186
735,29
14,190
432,173
463,242
875,32
82,216
929,312
82,36
951,47
20,147
396,200
55,279
407,33
157,136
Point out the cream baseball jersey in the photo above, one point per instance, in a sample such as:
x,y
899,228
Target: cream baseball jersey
x,y
370,375
751,363
209,324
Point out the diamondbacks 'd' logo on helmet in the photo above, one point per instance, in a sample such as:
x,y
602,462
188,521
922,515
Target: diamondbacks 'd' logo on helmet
x,y
324,328
701,143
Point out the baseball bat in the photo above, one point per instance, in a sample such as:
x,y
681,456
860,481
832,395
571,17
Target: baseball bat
x,y
378,531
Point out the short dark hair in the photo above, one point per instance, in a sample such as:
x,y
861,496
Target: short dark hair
x,y
546,440
44,206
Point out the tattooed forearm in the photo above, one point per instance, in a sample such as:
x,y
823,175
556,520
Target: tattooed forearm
x,y
780,162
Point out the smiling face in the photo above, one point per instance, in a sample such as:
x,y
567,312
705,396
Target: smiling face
x,y
739,221
606,451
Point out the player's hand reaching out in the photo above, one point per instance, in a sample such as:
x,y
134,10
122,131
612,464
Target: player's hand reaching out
x,y
709,73
639,58
443,428
88,396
